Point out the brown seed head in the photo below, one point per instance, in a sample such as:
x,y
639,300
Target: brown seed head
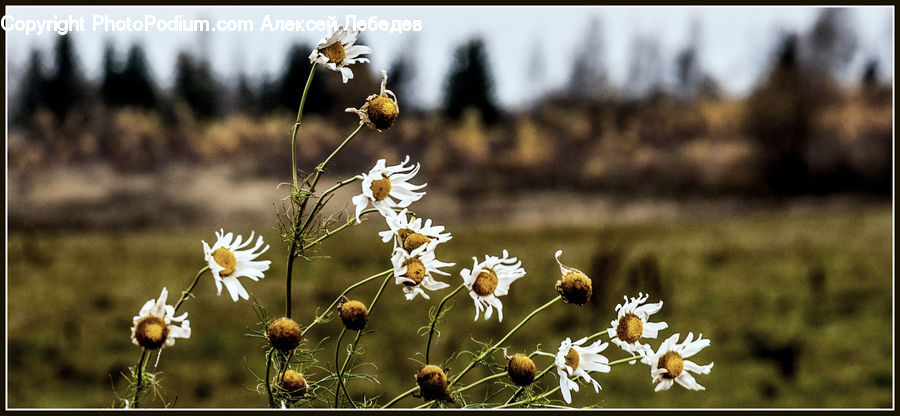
x,y
432,382
574,288
284,334
382,112
293,383
521,370
354,315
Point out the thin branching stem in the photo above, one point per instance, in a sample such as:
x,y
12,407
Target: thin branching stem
x,y
401,396
434,321
186,293
337,357
312,71
502,340
268,379
338,299
350,222
140,378
297,229
486,379
530,400
356,340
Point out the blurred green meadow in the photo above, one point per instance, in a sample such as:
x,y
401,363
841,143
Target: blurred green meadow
x,y
797,305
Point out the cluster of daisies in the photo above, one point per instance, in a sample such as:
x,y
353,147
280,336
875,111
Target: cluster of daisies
x,y
668,364
416,270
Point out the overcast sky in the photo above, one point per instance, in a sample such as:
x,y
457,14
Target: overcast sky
x,y
736,41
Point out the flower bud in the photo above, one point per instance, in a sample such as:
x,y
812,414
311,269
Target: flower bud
x,y
284,334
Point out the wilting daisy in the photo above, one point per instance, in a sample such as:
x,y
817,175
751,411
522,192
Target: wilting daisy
x,y
229,258
632,324
574,360
574,286
380,110
489,280
385,183
337,51
414,271
154,326
411,235
668,365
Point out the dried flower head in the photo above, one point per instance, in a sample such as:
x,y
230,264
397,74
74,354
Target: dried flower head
x,y
381,110
293,383
432,382
284,334
521,370
353,314
575,286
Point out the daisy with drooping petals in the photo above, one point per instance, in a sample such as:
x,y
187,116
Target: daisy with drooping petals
x,y
633,323
411,235
337,51
574,286
384,183
414,271
574,360
490,279
229,259
668,365
154,326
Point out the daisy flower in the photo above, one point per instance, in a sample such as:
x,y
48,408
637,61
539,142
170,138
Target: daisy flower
x,y
384,183
574,360
632,324
337,51
380,110
668,365
574,286
154,326
411,235
489,280
229,258
414,271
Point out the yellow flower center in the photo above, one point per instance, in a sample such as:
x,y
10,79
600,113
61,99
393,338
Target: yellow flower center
x,y
485,283
414,241
226,259
381,188
334,52
415,271
572,358
673,363
151,332
630,328
382,112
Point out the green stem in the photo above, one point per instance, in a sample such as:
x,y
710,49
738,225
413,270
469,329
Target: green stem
x,y
488,378
140,379
350,222
356,340
338,299
268,379
625,360
437,315
401,396
337,357
298,231
502,340
187,292
526,401
312,71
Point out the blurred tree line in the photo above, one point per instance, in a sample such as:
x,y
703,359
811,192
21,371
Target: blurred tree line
x,y
667,129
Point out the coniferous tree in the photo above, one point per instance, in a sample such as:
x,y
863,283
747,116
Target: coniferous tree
x,y
195,85
111,91
469,83
34,85
66,87
137,83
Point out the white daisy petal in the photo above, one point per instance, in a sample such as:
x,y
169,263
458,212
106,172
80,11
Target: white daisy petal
x,y
339,45
671,357
157,310
239,261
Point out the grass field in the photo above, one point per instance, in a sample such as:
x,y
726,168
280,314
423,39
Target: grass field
x,y
798,307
